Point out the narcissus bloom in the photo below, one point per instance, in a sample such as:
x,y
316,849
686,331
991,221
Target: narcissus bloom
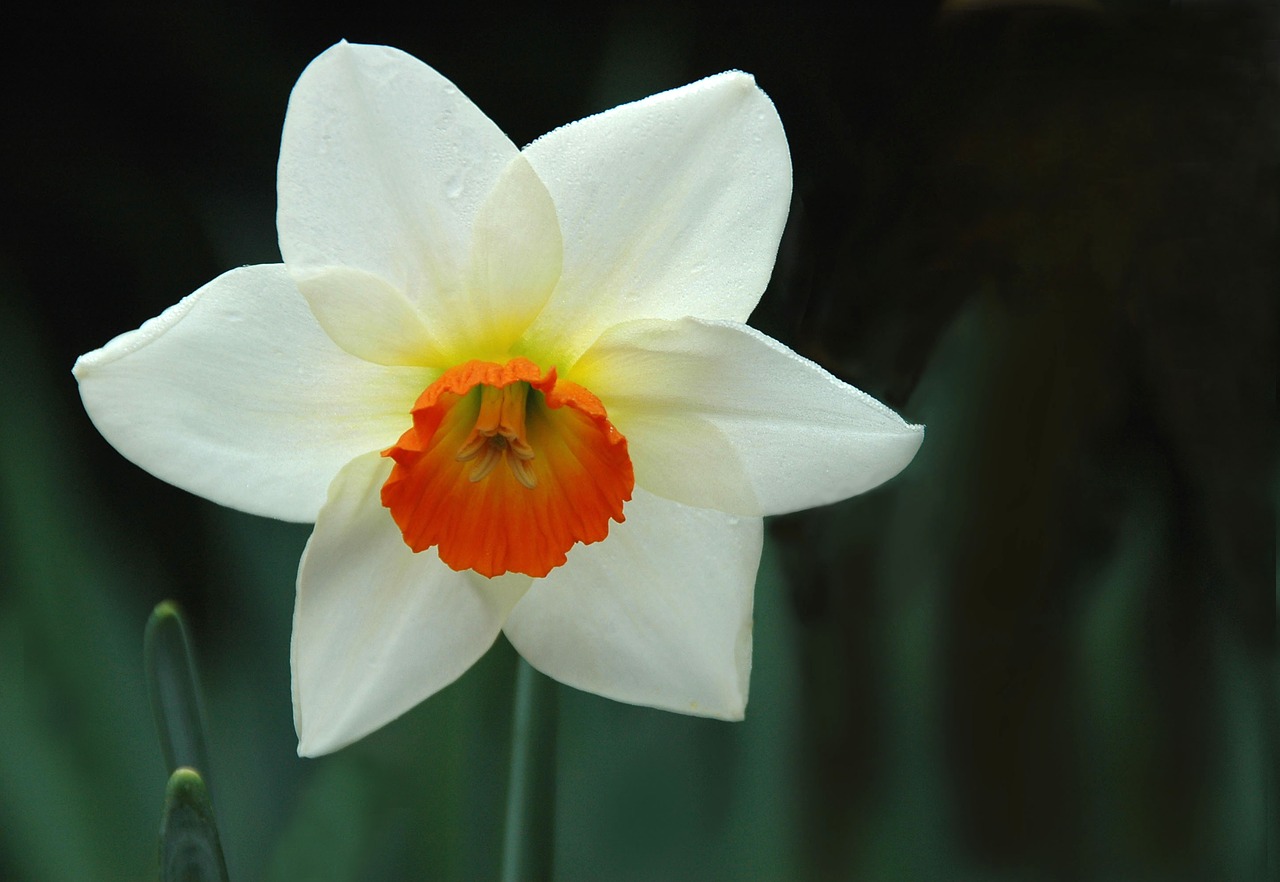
x,y
512,388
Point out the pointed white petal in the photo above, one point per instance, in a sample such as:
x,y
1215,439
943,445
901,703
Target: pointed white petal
x,y
670,206
236,394
658,614
384,168
717,414
377,629
516,257
369,318
512,269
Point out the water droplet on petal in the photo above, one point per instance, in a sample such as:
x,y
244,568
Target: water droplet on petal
x,y
453,187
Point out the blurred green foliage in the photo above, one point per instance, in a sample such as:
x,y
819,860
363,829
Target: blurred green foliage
x,y
190,850
1046,651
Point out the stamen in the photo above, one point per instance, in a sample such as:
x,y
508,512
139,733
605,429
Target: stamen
x,y
520,447
489,421
472,448
513,403
524,474
492,453
499,432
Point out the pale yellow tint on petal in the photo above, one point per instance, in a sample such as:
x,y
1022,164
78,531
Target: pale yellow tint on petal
x,y
516,255
369,318
797,436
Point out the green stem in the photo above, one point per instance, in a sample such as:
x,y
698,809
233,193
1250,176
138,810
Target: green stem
x,y
529,841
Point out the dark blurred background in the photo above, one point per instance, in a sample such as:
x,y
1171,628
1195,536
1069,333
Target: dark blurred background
x,y
1044,652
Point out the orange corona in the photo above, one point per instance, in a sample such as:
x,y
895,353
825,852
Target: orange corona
x,y
505,468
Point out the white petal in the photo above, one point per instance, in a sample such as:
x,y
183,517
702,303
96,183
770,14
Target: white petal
x,y
658,614
384,167
377,628
670,206
512,269
516,258
792,435
236,394
368,317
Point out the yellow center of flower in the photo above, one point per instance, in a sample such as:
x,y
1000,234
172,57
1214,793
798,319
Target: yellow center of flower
x,y
567,471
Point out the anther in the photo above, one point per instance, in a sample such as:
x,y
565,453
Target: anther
x,y
524,474
493,452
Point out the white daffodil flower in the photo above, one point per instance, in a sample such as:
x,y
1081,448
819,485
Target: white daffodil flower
x,y
512,388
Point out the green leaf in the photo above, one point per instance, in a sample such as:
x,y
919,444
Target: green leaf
x,y
189,847
174,688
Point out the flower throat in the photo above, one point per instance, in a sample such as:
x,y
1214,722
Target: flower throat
x,y
567,471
